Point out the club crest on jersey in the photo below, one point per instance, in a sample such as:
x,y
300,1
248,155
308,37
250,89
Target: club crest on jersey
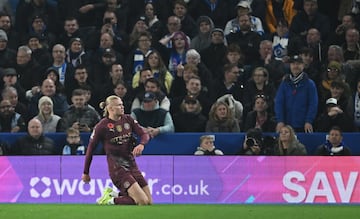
x,y
118,128
127,126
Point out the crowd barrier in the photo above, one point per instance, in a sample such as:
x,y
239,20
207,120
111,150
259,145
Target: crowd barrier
x,y
186,143
188,179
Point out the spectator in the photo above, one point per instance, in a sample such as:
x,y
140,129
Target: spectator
x,y
10,79
234,55
276,68
73,143
188,25
39,27
10,121
310,18
280,40
139,27
75,54
253,143
310,67
177,53
155,25
173,26
258,85
121,90
229,84
116,75
11,93
351,47
48,89
356,104
213,55
217,10
333,116
202,40
334,145
39,53
260,117
155,63
66,73
242,8
207,146
49,121
247,39
7,24
221,119
288,144
183,75
338,36
79,115
99,73
333,72
193,88
296,100
34,142
53,74
152,85
30,73
71,31
7,55
190,118
154,119
144,74
136,57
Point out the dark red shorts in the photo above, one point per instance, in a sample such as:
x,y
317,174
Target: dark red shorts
x,y
123,178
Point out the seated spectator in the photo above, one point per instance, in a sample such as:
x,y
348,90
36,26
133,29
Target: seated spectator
x,y
334,145
39,53
203,39
121,91
49,121
48,89
7,55
260,117
53,74
144,74
280,40
152,85
356,104
288,144
333,72
154,119
154,62
10,121
10,79
10,93
333,116
138,28
253,143
188,25
76,54
73,143
190,118
221,119
207,146
34,143
234,55
155,25
235,106
79,116
183,75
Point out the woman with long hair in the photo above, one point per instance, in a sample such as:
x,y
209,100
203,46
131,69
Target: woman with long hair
x,y
288,144
221,119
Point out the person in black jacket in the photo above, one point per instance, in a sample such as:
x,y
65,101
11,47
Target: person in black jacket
x,y
334,145
34,143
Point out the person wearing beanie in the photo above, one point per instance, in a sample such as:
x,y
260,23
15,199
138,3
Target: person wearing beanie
x,y
50,121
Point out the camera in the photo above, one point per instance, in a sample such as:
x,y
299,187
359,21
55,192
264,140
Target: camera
x,y
250,142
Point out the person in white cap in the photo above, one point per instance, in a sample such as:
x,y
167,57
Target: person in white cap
x,y
233,26
333,116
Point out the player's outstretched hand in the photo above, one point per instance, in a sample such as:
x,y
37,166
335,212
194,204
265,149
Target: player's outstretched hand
x,y
85,178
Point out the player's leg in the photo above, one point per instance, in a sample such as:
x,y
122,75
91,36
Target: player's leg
x,y
146,189
138,194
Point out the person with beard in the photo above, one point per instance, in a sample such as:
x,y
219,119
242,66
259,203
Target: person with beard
x,y
334,145
10,121
247,39
296,100
190,118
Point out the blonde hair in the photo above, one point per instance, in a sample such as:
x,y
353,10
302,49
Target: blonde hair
x,y
103,105
210,137
291,140
212,113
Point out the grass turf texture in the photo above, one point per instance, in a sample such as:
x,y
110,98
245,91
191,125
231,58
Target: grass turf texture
x,y
47,211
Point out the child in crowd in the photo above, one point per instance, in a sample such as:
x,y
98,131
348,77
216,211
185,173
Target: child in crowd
x,y
207,146
74,145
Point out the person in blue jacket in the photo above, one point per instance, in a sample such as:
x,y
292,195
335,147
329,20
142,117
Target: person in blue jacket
x,y
296,100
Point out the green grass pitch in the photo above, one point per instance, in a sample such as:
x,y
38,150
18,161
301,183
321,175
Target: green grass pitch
x,y
176,211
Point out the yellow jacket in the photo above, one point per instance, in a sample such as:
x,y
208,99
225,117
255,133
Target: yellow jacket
x,y
288,10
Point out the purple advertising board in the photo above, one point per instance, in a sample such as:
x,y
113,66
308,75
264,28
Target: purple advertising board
x,y
187,179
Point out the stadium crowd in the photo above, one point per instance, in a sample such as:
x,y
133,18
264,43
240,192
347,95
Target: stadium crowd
x,y
181,65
